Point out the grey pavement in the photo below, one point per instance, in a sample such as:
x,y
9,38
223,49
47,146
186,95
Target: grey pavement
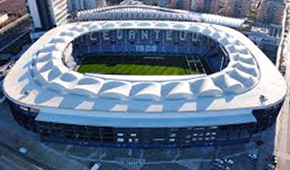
x,y
15,136
10,159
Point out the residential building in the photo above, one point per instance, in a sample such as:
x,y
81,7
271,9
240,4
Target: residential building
x,y
207,6
267,37
47,14
238,8
197,5
79,5
14,27
271,11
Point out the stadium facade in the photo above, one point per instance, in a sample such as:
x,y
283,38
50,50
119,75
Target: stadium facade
x,y
240,96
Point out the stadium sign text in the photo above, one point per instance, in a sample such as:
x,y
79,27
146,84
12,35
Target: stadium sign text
x,y
132,35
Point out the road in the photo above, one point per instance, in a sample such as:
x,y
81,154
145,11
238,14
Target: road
x,y
11,160
16,136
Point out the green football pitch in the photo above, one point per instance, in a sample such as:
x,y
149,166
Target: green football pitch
x,y
140,65
134,69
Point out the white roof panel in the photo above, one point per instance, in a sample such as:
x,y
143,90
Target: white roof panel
x,y
155,120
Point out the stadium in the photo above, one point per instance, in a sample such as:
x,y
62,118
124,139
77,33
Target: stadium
x,y
144,84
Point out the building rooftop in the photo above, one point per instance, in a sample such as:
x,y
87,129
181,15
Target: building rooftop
x,y
13,7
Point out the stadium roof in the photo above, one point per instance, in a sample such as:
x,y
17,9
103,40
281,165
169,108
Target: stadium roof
x,y
157,120
131,2
146,12
40,79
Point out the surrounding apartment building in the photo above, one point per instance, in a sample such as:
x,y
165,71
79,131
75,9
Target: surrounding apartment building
x,y
238,8
47,14
232,8
268,11
78,5
177,4
208,6
197,5
271,11
14,26
267,37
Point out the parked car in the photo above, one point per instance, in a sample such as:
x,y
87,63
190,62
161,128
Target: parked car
x,y
229,161
220,161
217,165
96,166
253,156
271,167
224,167
23,150
275,160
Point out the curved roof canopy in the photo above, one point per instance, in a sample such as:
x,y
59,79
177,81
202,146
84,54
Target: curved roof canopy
x,y
40,79
146,12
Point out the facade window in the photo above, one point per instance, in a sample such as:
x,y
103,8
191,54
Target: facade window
x,y
158,139
199,128
172,140
23,108
34,110
133,134
120,139
172,135
120,134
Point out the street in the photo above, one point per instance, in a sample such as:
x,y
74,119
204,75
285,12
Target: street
x,y
14,137
10,159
